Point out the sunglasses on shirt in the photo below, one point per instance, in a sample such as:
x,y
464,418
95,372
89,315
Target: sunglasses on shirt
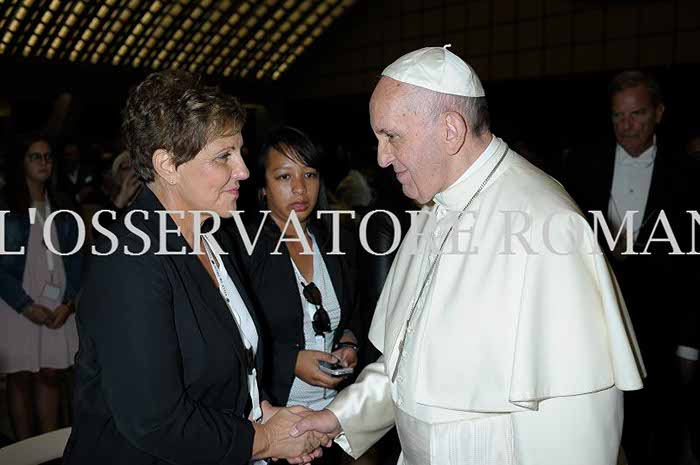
x,y
321,321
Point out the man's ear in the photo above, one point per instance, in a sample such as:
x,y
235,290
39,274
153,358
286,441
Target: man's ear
x,y
456,130
164,166
659,110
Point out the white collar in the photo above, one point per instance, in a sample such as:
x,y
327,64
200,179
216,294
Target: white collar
x,y
454,196
644,160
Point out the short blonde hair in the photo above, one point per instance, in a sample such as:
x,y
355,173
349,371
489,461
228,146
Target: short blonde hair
x,y
175,111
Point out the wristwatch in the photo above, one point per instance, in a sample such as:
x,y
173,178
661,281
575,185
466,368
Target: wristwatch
x,y
343,345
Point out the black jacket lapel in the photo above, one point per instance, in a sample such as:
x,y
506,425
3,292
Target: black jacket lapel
x,y
655,199
234,271
188,264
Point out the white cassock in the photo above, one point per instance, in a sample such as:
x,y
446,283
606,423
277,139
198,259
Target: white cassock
x,y
519,352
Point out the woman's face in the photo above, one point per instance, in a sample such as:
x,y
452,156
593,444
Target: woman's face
x,y
38,162
210,181
290,185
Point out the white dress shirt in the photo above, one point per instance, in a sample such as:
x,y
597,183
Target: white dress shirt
x,y
630,187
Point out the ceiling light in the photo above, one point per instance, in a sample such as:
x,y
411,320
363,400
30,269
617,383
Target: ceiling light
x,y
78,8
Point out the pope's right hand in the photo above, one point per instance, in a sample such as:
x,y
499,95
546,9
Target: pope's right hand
x,y
323,422
280,444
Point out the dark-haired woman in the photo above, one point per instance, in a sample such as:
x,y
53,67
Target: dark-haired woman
x,y
305,295
38,336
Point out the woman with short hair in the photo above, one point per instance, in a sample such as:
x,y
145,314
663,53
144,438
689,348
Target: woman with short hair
x,y
167,370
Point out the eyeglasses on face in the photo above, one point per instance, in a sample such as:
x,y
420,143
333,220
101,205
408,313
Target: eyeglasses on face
x,y
35,157
321,321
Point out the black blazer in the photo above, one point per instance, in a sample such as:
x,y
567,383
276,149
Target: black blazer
x,y
588,177
161,370
275,293
655,286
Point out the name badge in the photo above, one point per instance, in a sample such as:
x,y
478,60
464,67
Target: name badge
x,y
51,292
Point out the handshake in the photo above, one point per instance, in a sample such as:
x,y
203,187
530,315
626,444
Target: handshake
x,y
294,433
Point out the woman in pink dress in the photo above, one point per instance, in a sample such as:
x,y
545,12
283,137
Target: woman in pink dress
x,y
38,336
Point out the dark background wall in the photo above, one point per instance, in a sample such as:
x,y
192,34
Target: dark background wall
x,y
503,39
545,65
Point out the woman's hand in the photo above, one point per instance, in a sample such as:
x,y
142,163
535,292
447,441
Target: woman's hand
x,y
37,314
347,356
127,190
268,410
308,370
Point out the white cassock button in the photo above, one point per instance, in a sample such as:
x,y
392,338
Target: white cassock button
x,y
409,329
399,379
437,232
399,402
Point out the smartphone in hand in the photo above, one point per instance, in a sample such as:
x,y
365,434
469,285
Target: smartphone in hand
x,y
335,369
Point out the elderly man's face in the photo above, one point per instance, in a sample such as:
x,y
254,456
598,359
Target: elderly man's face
x,y
634,118
407,141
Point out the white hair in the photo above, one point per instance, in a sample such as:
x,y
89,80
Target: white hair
x,y
475,110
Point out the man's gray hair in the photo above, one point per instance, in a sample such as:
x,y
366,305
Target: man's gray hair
x,y
475,110
633,78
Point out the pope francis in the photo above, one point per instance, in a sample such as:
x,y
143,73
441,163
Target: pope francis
x,y
504,338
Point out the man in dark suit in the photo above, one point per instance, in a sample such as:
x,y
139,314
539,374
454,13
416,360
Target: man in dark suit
x,y
639,174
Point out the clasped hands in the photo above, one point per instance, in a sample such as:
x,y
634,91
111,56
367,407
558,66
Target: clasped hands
x,y
42,316
294,433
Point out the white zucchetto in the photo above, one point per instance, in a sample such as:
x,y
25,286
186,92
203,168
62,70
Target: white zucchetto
x,y
436,69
